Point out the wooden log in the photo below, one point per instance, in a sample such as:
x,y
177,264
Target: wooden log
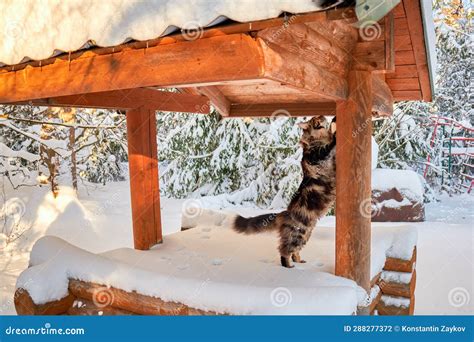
x,y
353,155
310,45
217,98
129,99
399,289
84,307
375,302
24,304
400,265
129,301
286,67
382,104
369,55
144,184
375,280
343,34
390,310
183,63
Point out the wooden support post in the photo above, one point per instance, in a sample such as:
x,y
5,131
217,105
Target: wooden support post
x,y
144,185
353,177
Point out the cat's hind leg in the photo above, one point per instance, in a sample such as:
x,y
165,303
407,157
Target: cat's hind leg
x,y
285,262
297,258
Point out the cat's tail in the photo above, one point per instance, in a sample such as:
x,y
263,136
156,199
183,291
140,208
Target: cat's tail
x,y
257,224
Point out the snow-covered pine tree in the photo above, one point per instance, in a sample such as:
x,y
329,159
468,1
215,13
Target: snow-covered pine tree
x,y
101,146
185,145
243,160
35,145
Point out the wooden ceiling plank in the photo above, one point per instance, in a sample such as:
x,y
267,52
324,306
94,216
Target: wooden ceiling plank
x,y
403,43
404,83
403,71
415,26
404,58
407,95
399,11
401,27
282,109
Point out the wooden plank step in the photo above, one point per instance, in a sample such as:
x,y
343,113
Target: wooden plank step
x,y
400,265
384,309
399,289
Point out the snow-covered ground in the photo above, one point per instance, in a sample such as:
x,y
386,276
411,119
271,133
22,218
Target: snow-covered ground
x,y
99,220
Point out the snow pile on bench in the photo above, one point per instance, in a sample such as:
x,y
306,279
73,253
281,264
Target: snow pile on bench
x,y
210,268
407,182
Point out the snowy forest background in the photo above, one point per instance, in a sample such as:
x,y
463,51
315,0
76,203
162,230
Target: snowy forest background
x,y
253,160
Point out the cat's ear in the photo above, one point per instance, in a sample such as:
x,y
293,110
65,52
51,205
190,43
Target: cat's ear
x,y
333,125
303,125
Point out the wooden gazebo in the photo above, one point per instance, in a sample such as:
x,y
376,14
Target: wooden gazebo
x,y
320,61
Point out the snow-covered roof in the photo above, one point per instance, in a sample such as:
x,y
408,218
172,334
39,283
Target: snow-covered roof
x,y
37,29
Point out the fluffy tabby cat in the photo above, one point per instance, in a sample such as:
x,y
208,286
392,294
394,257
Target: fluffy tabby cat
x,y
313,199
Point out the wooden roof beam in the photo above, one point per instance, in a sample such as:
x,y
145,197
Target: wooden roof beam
x,y
382,98
190,63
129,99
217,98
282,109
292,70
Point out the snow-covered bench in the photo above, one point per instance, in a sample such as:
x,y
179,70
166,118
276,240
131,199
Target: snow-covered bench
x,y
210,270
397,195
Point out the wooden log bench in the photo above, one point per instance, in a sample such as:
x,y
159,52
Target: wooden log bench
x,y
87,299
167,266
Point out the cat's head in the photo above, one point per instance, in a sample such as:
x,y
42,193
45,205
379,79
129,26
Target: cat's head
x,y
317,131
